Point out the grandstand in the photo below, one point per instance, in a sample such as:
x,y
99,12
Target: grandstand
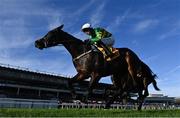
x,y
24,83
22,87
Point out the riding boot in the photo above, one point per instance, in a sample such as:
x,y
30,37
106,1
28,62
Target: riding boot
x,y
106,49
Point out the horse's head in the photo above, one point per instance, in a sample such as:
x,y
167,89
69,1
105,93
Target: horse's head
x,y
50,39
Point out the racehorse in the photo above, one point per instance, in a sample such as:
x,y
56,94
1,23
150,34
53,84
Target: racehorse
x,y
89,63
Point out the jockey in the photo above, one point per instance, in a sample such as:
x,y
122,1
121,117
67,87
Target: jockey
x,y
99,36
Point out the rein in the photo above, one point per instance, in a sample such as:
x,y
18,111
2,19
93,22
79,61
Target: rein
x,y
83,54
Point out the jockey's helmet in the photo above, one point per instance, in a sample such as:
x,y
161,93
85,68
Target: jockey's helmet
x,y
86,26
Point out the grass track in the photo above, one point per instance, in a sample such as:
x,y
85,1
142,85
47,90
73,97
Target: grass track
x,y
14,112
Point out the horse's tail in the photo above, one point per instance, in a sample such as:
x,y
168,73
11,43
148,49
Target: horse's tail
x,y
151,75
154,82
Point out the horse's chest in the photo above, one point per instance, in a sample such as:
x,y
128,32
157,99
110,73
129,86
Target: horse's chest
x,y
83,65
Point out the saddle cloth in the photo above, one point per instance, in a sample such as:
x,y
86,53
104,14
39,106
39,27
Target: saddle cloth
x,y
114,51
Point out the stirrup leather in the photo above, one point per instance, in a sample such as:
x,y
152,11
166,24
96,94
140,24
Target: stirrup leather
x,y
115,53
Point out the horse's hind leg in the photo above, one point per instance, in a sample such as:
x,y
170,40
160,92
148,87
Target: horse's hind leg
x,y
140,100
131,67
145,82
92,84
146,93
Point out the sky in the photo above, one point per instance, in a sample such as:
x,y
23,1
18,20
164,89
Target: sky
x,y
151,28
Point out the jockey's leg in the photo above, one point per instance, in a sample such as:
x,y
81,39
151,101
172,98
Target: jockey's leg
x,y
106,43
106,48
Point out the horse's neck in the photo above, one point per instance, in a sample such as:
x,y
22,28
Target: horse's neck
x,y
74,46
73,50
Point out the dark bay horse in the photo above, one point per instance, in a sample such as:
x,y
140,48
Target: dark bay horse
x,y
89,63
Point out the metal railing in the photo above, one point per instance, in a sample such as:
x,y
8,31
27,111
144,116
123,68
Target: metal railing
x,y
34,103
117,106
27,103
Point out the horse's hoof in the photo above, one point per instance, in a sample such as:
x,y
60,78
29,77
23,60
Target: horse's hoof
x,y
84,100
139,109
74,96
107,106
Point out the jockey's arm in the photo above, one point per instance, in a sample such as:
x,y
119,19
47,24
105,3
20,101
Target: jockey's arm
x,y
100,34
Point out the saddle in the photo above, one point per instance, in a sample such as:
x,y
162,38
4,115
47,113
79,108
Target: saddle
x,y
115,53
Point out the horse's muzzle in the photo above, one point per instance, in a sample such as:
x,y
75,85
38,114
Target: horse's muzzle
x,y
38,44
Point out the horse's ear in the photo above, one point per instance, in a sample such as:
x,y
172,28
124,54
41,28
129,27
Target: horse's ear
x,y
60,27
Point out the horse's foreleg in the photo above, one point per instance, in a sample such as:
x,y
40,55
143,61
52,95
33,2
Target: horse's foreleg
x,y
114,96
110,88
78,77
70,85
92,84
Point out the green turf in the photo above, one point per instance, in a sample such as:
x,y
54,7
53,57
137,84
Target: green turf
x,y
87,113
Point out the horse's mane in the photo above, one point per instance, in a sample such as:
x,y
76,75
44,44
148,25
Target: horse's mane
x,y
73,38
